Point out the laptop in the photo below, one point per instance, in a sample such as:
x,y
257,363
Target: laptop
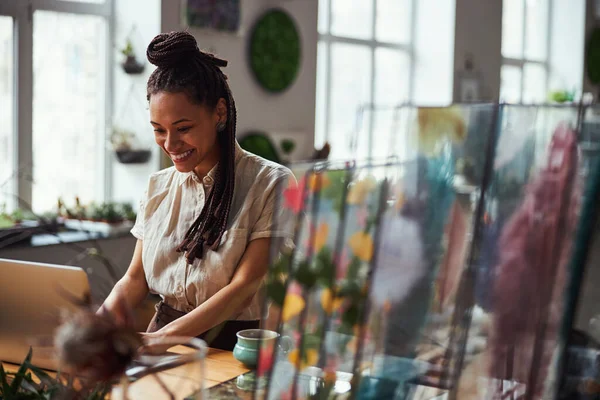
x,y
32,296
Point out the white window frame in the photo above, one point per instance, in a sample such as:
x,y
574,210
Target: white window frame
x,y
328,39
522,62
22,13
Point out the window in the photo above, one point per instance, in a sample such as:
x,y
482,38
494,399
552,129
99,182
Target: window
x,y
7,129
525,50
62,90
364,67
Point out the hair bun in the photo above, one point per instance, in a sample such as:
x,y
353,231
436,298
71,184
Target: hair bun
x,y
171,49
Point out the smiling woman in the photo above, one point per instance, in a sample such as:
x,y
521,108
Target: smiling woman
x,y
206,225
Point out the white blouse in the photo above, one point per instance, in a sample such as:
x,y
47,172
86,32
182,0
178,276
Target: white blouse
x,y
172,203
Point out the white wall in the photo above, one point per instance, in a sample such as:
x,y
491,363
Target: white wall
x,y
129,181
291,111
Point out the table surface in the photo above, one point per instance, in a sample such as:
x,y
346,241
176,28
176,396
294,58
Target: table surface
x,y
219,367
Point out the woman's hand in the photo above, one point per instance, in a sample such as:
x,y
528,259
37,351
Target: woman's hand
x,y
130,291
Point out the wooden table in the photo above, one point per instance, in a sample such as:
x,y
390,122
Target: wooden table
x,y
219,367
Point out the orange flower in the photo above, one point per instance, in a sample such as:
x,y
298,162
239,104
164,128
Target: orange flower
x,y
360,190
310,359
318,181
292,306
362,246
329,303
321,236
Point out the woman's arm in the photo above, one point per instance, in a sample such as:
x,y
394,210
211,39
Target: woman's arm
x,y
131,290
229,300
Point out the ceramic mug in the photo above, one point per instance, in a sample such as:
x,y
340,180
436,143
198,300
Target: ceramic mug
x,y
249,343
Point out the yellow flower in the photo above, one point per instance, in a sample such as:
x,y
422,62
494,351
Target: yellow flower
x,y
360,190
329,303
321,236
292,306
436,124
310,359
362,246
318,181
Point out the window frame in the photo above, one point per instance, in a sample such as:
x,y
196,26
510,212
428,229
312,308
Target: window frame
x,y
520,63
22,12
327,39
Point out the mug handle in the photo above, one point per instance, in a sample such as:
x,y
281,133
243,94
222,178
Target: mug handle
x,y
286,344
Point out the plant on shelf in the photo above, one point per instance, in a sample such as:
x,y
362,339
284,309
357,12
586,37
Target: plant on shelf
x,y
131,65
107,212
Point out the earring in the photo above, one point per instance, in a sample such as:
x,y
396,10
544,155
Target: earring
x,y
220,126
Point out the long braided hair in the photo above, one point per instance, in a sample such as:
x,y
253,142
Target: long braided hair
x,y
182,67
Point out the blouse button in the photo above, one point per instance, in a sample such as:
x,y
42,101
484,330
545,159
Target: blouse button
x,y
207,180
179,289
189,308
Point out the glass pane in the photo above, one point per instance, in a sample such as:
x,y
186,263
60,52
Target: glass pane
x,y
86,1
534,83
68,107
536,30
321,101
350,90
393,21
392,68
512,28
352,18
323,16
7,130
510,84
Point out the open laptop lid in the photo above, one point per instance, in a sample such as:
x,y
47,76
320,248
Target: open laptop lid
x,y
31,299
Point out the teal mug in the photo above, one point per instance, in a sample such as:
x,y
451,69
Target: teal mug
x,y
249,343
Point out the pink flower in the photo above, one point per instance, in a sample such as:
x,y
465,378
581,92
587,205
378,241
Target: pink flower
x,y
293,196
265,360
342,266
361,216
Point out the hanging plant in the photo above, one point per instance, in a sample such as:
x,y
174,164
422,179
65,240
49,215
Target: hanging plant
x,y
122,142
131,65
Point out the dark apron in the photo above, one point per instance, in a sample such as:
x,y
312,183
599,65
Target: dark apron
x,y
222,336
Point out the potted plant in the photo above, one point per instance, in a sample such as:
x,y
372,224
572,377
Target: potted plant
x,y
131,65
122,142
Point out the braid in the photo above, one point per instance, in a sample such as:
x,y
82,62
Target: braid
x,y
182,67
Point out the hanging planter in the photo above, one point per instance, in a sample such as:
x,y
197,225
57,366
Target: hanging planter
x,y
133,156
131,65
122,142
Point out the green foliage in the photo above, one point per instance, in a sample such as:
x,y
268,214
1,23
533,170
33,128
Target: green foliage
x,y
128,51
21,385
287,146
275,51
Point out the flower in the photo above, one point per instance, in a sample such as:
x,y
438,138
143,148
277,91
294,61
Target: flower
x,y
438,124
265,360
360,190
311,356
362,246
318,181
329,303
293,197
317,238
361,217
292,306
342,267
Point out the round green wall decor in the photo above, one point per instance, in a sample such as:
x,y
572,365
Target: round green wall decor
x,y
275,51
